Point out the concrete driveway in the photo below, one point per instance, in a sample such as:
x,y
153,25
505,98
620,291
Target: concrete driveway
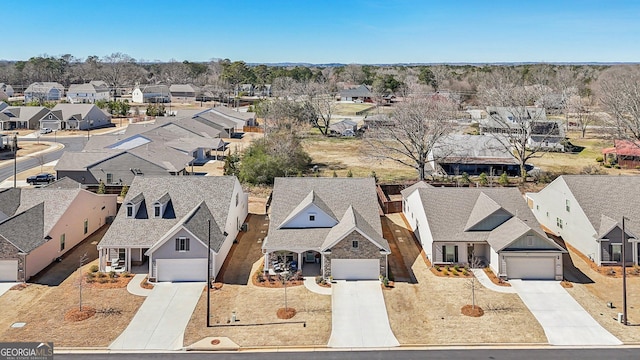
x,y
160,322
564,321
359,316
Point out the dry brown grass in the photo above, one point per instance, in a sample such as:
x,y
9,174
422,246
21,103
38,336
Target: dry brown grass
x,y
43,310
594,297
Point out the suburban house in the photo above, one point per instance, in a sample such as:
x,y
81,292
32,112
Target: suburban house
x,y
44,91
587,212
88,93
245,90
472,154
326,226
240,118
183,93
346,127
21,117
625,153
6,91
151,94
40,225
361,93
541,133
75,116
481,226
165,225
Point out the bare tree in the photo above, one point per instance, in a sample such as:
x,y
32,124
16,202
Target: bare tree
x,y
580,107
619,93
119,69
514,120
321,96
411,133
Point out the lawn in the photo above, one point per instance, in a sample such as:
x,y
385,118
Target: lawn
x,y
351,109
42,308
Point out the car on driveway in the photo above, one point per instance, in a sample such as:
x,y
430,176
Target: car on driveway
x,y
40,179
45,131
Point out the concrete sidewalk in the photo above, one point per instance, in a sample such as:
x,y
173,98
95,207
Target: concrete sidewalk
x,y
6,286
160,322
486,282
134,287
359,316
564,321
311,285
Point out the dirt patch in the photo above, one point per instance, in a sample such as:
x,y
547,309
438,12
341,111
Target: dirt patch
x,y
76,314
287,313
473,311
43,309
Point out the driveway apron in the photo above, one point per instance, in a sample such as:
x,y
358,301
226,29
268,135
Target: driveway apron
x,y
359,316
564,321
160,322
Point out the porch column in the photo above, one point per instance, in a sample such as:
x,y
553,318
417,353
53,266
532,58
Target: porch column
x,y
151,274
128,259
300,260
100,265
265,268
634,251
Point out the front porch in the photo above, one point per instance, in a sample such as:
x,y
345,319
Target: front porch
x,y
131,260
473,254
308,261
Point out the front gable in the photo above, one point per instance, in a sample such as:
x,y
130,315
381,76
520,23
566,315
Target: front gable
x,y
168,246
532,241
355,245
312,216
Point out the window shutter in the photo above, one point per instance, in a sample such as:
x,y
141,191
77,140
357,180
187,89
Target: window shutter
x,y
177,244
186,244
455,253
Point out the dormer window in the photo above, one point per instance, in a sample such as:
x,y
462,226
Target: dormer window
x,y
130,210
157,210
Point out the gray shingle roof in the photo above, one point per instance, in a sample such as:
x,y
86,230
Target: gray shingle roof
x,y
448,211
87,88
360,91
613,196
198,225
186,192
64,183
506,233
337,194
471,148
9,202
25,229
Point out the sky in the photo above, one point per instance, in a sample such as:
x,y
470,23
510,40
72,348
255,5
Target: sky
x,y
327,31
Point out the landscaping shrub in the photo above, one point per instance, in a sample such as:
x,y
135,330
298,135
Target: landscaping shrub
x,y
102,275
438,268
103,280
385,281
465,272
112,274
446,272
319,279
456,267
607,165
91,275
94,268
599,159
126,274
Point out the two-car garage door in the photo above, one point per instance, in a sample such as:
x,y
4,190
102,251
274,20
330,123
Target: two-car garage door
x,y
8,270
355,269
532,268
181,269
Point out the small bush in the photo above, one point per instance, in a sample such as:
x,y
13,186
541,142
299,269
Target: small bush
x,y
465,272
103,280
438,268
446,272
94,268
319,279
385,281
448,268
91,275
112,274
616,166
91,280
456,267
607,165
126,274
102,275
599,159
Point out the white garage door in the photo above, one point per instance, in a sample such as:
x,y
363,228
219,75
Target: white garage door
x,y
538,268
355,269
181,269
8,270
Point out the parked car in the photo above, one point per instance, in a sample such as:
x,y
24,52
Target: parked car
x,y
40,179
45,131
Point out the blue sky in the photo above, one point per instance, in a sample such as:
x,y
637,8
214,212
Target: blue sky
x,y
323,31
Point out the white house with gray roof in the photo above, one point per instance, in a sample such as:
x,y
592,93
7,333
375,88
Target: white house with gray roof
x,y
587,211
490,226
88,93
39,225
331,225
75,116
44,91
151,94
163,227
6,91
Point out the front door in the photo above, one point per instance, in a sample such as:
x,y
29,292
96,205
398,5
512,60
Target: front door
x,y
470,254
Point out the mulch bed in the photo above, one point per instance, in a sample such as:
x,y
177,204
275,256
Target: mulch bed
x,y
287,313
494,279
108,282
273,281
145,284
76,315
469,310
452,272
19,287
566,284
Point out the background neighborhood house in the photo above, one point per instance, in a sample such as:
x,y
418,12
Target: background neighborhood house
x,y
532,121
361,93
6,91
39,225
346,127
88,93
44,91
75,116
162,227
183,93
481,226
586,211
625,153
472,154
326,226
151,94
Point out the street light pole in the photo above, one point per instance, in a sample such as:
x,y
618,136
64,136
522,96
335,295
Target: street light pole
x,y
15,159
209,276
624,275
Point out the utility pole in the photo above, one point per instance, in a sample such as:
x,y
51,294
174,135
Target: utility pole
x,y
209,276
15,159
624,275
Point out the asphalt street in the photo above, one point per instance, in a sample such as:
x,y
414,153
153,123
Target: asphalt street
x,y
70,143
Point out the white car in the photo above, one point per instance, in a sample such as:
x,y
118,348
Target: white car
x,y
45,131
